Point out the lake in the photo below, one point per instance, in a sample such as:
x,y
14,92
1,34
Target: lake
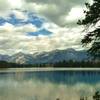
x,y
48,84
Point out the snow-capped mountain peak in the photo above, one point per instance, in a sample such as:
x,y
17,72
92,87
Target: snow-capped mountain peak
x,y
48,57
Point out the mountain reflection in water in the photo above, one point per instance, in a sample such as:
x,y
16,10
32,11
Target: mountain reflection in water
x,y
49,85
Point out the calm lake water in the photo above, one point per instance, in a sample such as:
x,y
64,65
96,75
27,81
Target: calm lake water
x,y
48,85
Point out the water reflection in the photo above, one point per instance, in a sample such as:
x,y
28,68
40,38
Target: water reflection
x,y
49,85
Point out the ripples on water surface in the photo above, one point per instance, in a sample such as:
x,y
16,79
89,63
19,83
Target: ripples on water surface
x,y
48,85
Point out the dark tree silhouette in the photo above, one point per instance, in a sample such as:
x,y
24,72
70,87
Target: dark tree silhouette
x,y
96,96
57,98
83,98
92,27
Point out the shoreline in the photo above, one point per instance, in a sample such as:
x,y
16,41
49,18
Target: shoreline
x,y
46,69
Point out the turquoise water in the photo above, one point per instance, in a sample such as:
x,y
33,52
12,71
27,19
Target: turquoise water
x,y
48,85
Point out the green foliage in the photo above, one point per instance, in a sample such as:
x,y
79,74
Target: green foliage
x,y
92,17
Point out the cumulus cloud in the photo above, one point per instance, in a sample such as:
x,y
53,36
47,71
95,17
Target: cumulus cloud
x,y
54,10
9,28
75,14
14,38
7,5
3,5
19,14
16,3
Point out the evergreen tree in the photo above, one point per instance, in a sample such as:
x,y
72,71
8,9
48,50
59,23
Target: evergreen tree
x,y
92,21
96,96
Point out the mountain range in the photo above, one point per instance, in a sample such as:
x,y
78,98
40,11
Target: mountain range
x,y
47,57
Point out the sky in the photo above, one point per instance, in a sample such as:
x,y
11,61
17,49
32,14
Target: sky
x,y
40,25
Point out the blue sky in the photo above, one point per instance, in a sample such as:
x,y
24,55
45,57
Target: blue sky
x,y
31,19
35,26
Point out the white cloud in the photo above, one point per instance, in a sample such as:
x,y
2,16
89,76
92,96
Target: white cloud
x,y
53,10
36,7
7,27
6,6
15,39
19,14
91,1
15,3
75,14
3,5
57,10
26,28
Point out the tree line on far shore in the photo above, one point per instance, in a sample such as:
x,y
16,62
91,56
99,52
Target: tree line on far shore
x,y
65,64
